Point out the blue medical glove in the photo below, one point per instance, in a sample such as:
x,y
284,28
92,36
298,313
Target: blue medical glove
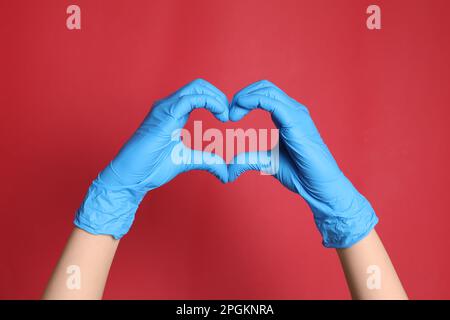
x,y
306,166
153,156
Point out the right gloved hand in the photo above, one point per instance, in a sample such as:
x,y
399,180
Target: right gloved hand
x,y
146,161
306,166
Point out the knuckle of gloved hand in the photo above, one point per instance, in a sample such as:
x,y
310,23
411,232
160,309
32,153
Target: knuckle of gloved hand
x,y
170,109
190,87
266,82
305,109
273,93
198,81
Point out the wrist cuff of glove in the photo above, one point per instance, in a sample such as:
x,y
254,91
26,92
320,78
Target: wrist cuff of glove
x,y
345,229
108,209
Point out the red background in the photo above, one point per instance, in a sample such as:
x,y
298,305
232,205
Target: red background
x,y
70,99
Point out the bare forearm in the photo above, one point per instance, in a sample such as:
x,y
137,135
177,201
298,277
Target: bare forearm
x,y
369,271
83,268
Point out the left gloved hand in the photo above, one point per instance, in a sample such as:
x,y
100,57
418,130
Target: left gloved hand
x,y
153,156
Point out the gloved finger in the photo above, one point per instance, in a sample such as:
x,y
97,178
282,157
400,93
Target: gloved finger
x,y
236,113
253,86
246,161
194,90
279,110
207,161
265,88
186,104
276,93
210,90
200,86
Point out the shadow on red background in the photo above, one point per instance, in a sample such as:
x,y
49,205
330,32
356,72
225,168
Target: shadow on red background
x,y
70,99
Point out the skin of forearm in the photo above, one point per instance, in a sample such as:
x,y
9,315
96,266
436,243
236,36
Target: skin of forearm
x,y
83,268
369,272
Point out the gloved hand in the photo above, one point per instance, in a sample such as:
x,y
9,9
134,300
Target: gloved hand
x,y
153,156
306,166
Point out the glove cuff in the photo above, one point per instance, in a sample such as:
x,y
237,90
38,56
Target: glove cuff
x,y
344,229
109,209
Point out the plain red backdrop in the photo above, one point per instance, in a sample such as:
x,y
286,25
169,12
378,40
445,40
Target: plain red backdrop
x,y
70,99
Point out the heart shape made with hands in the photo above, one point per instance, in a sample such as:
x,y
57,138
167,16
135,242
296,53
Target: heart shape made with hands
x,y
156,154
221,147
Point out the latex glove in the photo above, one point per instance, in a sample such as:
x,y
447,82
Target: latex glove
x,y
146,161
306,166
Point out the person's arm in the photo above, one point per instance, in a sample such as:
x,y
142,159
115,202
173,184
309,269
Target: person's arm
x,y
83,268
153,156
369,271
